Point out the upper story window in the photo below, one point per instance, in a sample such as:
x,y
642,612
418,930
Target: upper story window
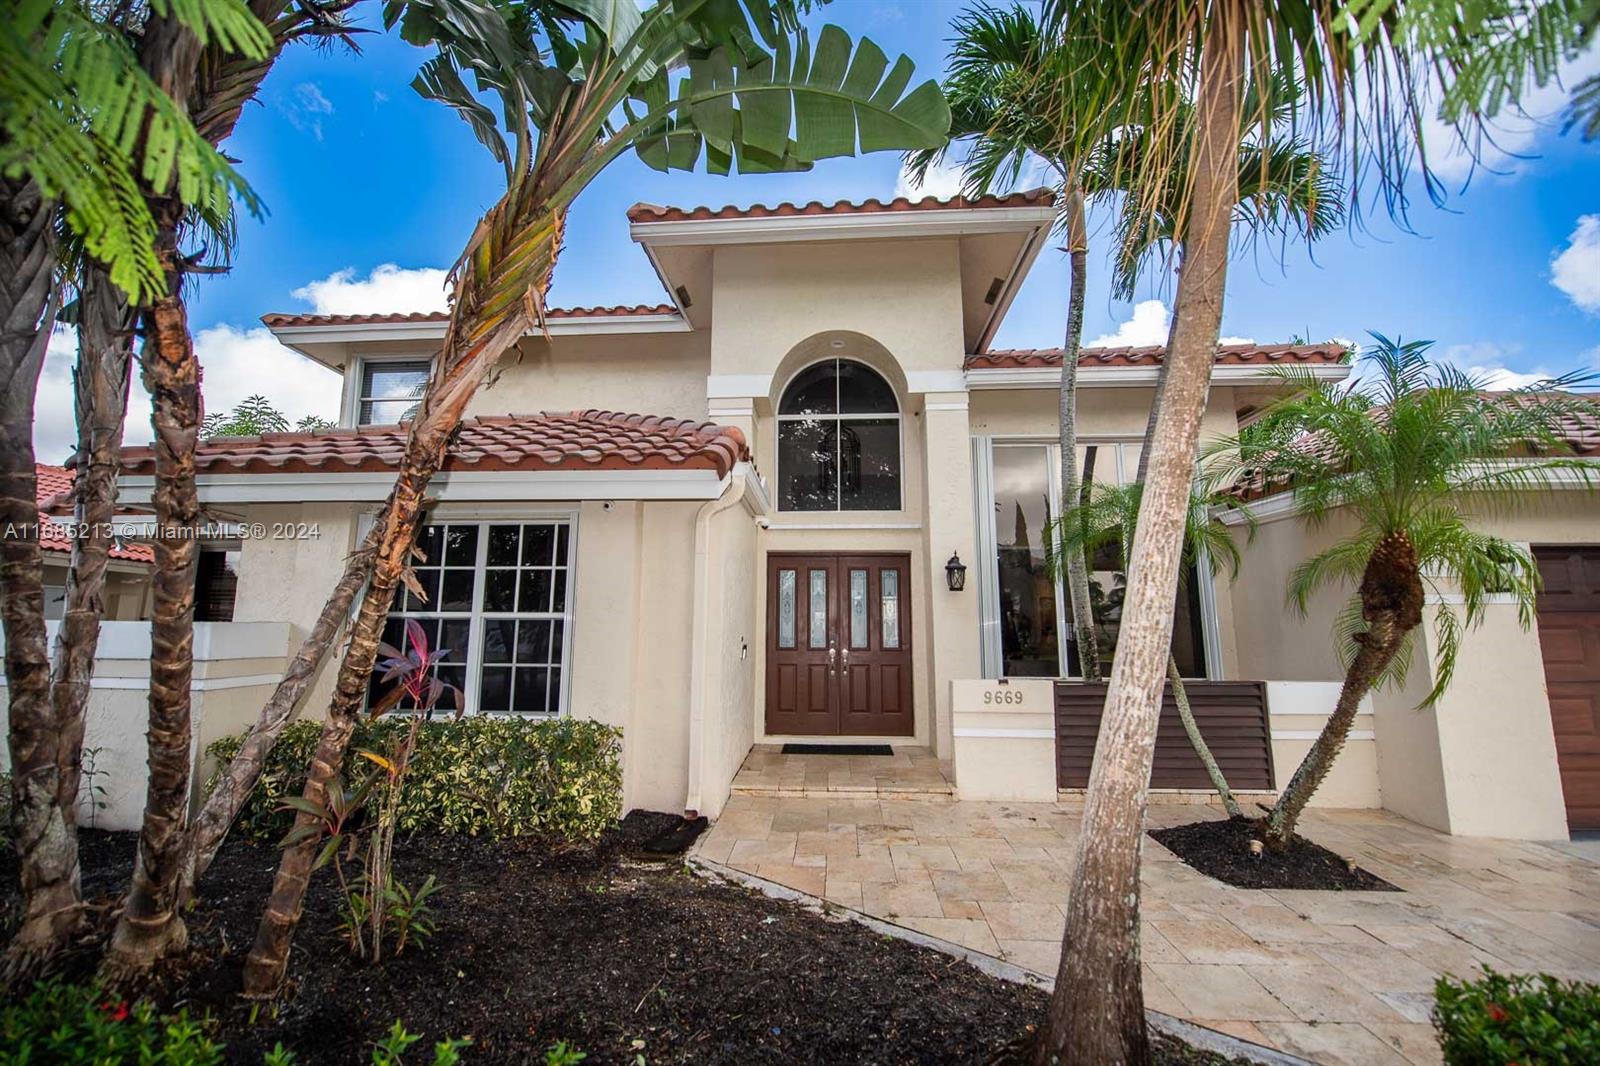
x,y
390,389
838,440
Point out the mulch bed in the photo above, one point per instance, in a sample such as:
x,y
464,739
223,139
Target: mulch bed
x,y
618,957
1221,849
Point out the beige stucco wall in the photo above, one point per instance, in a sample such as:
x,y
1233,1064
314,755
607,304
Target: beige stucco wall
x,y
730,644
649,373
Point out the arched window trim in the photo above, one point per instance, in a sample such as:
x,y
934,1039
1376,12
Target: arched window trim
x,y
899,424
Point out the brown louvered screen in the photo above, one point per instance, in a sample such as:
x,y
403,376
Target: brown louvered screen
x,y
1232,716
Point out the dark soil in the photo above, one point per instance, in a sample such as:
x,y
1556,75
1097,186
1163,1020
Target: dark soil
x,y
1221,849
617,957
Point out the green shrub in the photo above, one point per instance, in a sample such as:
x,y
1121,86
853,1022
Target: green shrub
x,y
62,1023
1525,1019
559,779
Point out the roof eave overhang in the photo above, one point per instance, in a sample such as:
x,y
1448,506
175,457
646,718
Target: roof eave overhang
x,y
460,486
307,340
1043,377
862,226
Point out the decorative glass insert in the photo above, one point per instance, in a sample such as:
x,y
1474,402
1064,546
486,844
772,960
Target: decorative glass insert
x,y
889,610
858,608
786,607
498,599
390,389
819,609
838,440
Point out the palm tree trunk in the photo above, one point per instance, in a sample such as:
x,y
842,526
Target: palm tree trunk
x,y
1391,603
100,392
48,864
1071,489
1096,1014
471,350
1180,696
150,925
233,788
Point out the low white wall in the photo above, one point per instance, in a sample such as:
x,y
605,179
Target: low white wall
x,y
236,667
1296,712
1004,739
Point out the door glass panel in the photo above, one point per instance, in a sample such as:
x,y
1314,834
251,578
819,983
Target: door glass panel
x,y
819,609
890,611
786,607
858,608
1028,639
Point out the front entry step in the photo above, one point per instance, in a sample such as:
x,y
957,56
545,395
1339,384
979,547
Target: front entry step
x,y
908,773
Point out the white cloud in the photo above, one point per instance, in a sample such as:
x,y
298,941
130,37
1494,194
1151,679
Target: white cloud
x,y
305,108
1486,362
1236,340
1147,326
1515,132
942,180
1576,269
389,288
235,364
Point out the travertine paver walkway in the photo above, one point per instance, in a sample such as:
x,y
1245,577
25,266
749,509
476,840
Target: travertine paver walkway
x,y
1338,977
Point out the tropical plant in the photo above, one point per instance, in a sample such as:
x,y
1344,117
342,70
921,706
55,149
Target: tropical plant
x,y
1108,518
253,416
1403,453
1532,1018
1181,76
580,85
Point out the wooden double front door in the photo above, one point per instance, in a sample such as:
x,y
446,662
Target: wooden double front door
x,y
839,644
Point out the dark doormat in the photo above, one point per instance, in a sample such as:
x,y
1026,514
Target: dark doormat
x,y
676,840
837,749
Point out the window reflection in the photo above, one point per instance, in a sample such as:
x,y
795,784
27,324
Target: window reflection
x,y
838,441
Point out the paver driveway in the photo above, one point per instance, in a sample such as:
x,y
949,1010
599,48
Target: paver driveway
x,y
1339,977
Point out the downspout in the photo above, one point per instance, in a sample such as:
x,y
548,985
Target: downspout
x,y
700,638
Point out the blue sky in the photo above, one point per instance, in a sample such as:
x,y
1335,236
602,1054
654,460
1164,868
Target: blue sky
x,y
358,172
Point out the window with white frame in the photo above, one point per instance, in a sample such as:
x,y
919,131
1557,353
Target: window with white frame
x,y
390,389
1028,626
498,596
838,440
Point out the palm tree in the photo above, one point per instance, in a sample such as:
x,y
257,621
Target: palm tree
x,y
576,94
1182,75
85,133
1399,452
1108,519
210,83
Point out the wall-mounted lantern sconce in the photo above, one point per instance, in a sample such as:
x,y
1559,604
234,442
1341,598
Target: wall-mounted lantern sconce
x,y
955,572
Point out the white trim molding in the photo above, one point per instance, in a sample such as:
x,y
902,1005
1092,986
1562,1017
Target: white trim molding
x,y
936,381
1045,377
358,332
865,225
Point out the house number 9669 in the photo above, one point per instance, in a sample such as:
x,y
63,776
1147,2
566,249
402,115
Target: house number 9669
x,y
1002,695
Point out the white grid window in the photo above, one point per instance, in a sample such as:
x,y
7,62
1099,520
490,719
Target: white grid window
x,y
390,389
498,596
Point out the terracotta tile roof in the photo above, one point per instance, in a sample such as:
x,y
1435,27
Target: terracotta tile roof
x,y
576,440
1227,355
54,495
278,319
643,212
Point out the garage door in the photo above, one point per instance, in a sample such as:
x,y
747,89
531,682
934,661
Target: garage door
x,y
1569,631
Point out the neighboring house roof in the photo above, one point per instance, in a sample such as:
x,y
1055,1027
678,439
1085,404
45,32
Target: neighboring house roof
x,y
54,491
577,440
1227,355
643,212
276,320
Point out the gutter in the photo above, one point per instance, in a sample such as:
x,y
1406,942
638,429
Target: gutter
x,y
700,639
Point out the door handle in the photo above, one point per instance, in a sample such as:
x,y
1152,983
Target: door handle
x,y
845,660
832,659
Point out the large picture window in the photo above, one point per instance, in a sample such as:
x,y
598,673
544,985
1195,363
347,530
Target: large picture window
x,y
838,440
1029,610
498,596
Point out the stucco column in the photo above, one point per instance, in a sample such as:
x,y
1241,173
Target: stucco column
x,y
953,641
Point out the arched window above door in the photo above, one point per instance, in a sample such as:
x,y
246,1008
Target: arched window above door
x,y
838,440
